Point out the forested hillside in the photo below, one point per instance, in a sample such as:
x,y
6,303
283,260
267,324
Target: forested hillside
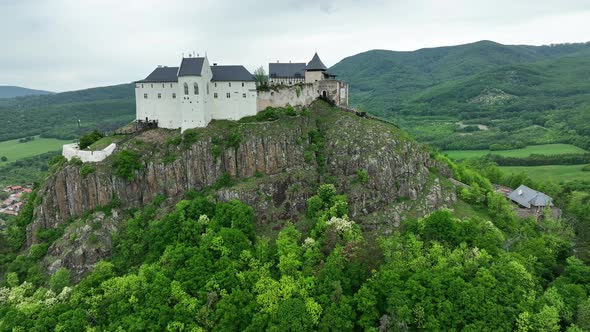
x,y
57,115
17,91
476,95
203,267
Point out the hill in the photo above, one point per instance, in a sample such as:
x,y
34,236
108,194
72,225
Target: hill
x,y
480,95
381,80
17,91
57,115
283,223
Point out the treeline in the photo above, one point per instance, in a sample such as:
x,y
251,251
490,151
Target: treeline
x,y
540,159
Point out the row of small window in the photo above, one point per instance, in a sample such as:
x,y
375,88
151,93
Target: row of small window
x,y
227,95
145,96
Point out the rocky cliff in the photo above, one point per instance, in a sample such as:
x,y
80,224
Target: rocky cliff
x,y
273,166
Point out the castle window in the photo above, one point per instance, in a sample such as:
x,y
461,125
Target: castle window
x,y
215,95
207,88
243,95
159,96
174,96
228,95
142,86
163,86
230,84
215,84
196,88
242,84
170,84
185,89
145,96
152,85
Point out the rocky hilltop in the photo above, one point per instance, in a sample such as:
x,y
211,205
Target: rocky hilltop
x,y
274,166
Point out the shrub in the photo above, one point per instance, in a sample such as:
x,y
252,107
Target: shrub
x,y
126,163
174,141
268,114
3,158
224,180
233,140
76,161
190,137
586,168
290,111
362,176
89,138
169,158
85,170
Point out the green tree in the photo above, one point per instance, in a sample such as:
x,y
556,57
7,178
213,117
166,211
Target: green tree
x,y
60,279
89,138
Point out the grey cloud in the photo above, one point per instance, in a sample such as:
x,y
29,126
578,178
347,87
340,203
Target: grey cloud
x,y
70,44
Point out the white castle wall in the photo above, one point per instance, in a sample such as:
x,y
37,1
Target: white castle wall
x,y
241,103
73,151
164,108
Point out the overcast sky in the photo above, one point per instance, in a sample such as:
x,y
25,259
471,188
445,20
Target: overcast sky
x,y
62,45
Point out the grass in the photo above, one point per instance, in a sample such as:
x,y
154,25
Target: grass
x,y
13,150
105,141
465,210
555,173
546,149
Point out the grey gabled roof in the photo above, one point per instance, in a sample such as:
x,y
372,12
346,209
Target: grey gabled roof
x,y
528,197
231,73
316,64
286,70
161,74
191,67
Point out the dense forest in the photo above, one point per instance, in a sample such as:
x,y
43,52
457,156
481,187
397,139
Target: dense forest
x,y
203,267
522,94
67,115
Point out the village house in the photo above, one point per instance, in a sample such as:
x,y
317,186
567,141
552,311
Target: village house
x,y
532,202
13,203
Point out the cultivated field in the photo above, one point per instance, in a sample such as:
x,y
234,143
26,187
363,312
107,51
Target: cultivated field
x,y
13,150
555,173
546,149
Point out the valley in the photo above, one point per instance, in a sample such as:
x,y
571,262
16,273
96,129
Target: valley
x,y
15,150
314,216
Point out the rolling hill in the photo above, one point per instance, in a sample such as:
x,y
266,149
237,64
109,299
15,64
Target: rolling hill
x,y
57,115
381,79
519,95
17,91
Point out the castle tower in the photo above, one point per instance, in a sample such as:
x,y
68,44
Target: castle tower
x,y
314,71
193,76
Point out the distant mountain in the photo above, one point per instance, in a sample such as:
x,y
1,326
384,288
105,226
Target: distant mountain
x,y
56,115
381,80
17,91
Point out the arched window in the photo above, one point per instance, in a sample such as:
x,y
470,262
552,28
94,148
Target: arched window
x,y
185,89
196,88
207,88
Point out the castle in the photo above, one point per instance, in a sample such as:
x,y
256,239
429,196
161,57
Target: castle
x,y
193,94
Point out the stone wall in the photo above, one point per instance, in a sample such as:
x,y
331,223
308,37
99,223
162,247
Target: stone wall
x,y
73,151
298,95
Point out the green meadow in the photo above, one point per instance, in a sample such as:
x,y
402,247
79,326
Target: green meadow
x,y
555,173
546,149
14,150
